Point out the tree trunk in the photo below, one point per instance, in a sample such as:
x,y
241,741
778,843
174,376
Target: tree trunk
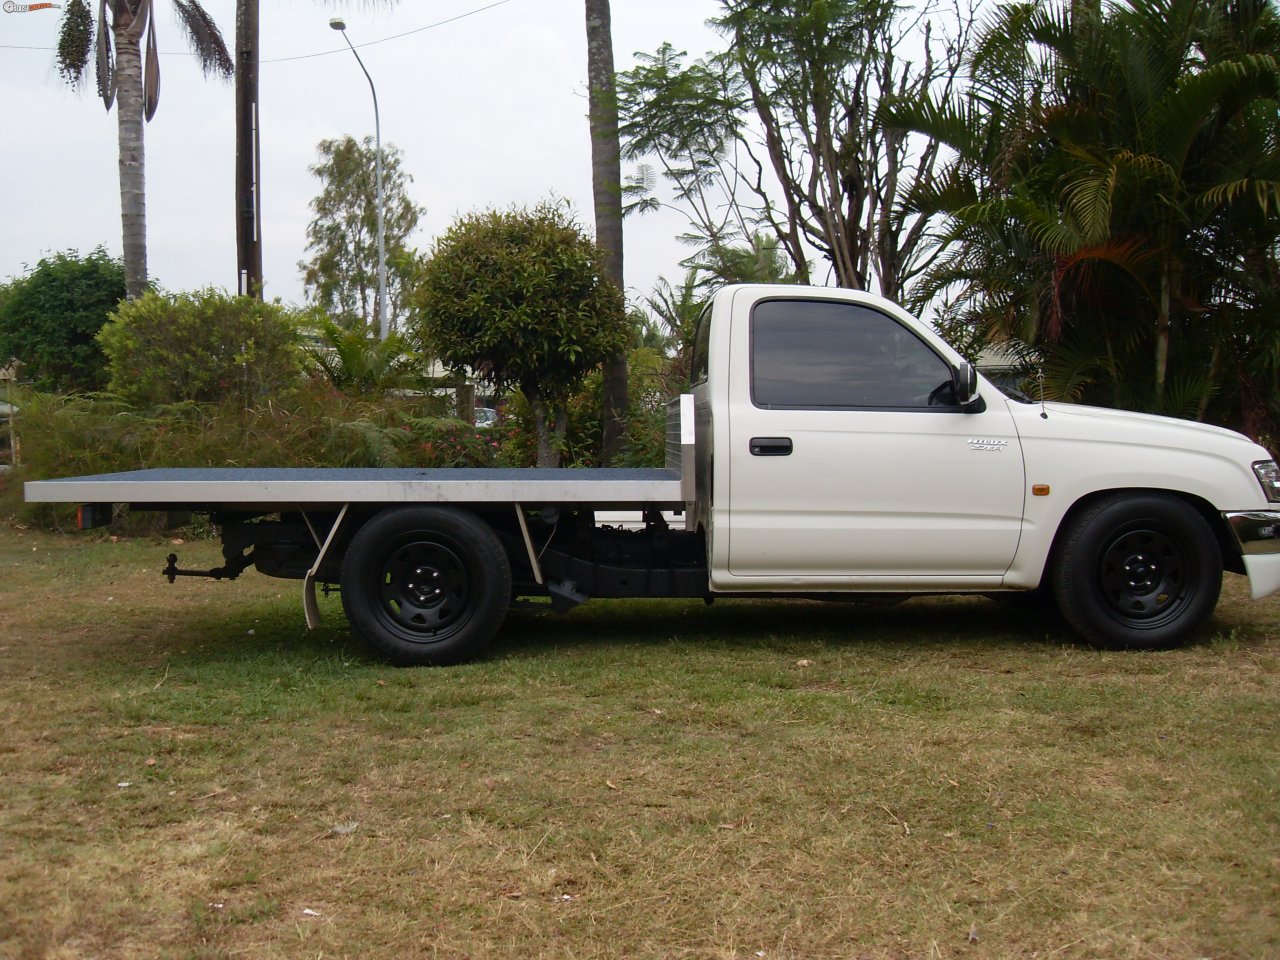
x,y
1163,327
548,451
133,200
248,197
606,182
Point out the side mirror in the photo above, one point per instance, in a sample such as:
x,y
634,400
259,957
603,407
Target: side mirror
x,y
965,379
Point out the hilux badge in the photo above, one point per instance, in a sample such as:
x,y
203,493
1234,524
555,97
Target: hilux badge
x,y
988,446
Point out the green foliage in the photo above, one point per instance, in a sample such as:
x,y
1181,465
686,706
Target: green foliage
x,y
75,38
578,440
201,347
342,274
677,310
579,443
1114,203
314,426
658,369
354,360
777,133
50,317
760,259
520,298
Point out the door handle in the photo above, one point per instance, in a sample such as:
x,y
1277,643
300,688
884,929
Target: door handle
x,y
770,446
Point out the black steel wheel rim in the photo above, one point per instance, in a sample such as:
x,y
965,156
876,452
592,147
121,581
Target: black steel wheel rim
x,y
1146,576
424,590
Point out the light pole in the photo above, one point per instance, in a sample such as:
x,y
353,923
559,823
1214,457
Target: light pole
x,y
337,23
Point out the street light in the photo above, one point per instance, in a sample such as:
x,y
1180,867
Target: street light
x,y
337,23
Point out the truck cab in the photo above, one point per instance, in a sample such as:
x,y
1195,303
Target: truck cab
x,y
842,446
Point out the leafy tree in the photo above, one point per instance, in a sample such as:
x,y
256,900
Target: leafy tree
x,y
522,299
202,347
1115,201
778,134
342,274
116,45
50,317
606,181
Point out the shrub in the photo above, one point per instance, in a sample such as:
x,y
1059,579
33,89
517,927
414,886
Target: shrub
x,y
313,427
203,347
520,298
353,359
49,319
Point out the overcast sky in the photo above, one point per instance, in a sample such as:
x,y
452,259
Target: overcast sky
x,y
488,110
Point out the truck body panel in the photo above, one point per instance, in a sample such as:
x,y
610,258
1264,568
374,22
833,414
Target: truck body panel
x,y
1078,452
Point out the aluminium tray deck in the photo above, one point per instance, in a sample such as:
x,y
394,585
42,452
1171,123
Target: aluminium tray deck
x,y
276,488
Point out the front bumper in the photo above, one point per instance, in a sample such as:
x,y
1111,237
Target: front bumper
x,y
1257,533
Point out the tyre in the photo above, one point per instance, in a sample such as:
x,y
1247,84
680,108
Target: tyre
x,y
426,585
1137,570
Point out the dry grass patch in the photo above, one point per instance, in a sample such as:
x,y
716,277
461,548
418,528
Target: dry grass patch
x,y
944,779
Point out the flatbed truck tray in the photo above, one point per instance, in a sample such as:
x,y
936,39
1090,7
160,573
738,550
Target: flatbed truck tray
x,y
277,488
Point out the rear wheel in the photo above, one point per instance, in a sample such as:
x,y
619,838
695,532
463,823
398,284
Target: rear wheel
x,y
426,585
1138,570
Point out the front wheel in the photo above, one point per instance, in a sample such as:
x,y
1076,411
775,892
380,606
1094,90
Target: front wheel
x,y
1138,570
426,585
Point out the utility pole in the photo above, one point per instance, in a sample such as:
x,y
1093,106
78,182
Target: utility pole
x,y
248,153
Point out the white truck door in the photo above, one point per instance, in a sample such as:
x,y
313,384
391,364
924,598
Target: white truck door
x,y
851,459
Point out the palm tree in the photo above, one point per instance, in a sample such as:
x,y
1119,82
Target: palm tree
x,y
1116,199
125,76
606,179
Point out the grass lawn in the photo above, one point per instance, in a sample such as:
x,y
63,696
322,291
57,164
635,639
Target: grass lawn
x,y
186,772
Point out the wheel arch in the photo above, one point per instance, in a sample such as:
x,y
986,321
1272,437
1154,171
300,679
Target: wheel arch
x,y
1231,559
497,517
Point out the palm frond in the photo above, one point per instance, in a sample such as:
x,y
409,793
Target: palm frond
x,y
1184,112
952,124
1224,193
1070,370
1088,199
205,38
151,69
1051,233
105,63
1130,256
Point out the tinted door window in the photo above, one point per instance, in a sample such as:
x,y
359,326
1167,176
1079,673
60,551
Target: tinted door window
x,y
814,354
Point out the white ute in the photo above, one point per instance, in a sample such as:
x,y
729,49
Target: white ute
x,y
831,445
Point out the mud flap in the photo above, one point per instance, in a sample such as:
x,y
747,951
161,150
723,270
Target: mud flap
x,y
310,608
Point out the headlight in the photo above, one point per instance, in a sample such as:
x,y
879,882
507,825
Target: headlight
x,y
1269,476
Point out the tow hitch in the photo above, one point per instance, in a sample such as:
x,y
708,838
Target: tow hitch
x,y
235,566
